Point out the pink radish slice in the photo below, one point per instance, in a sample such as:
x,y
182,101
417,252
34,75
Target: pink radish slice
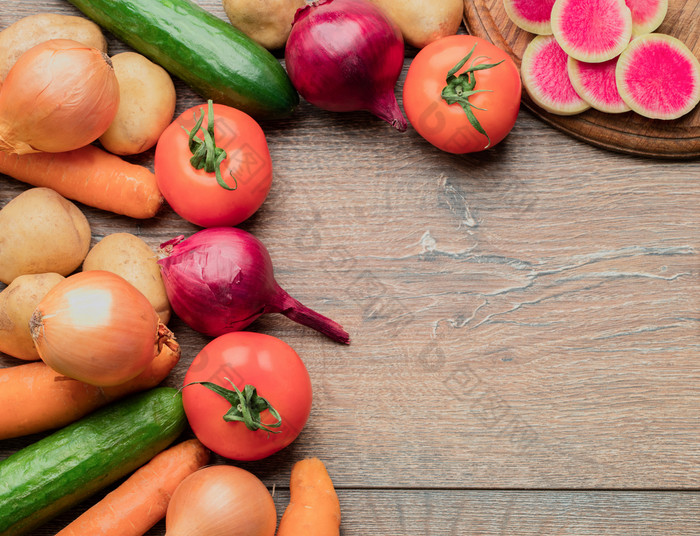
x,y
647,15
546,80
658,77
596,84
533,16
592,30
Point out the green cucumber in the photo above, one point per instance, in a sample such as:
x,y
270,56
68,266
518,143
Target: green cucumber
x,y
214,58
59,471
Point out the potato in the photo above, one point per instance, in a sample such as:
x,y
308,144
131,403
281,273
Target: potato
x,y
41,231
423,21
34,29
146,105
268,22
17,303
130,257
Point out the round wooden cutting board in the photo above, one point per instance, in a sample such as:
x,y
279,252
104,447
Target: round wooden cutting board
x,y
628,132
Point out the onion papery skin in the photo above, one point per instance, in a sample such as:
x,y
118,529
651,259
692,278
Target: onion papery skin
x,y
347,55
96,327
221,500
59,96
202,280
221,279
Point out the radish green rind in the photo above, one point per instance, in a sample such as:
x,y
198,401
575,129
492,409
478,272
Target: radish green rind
x,y
647,15
658,77
596,84
546,80
533,16
592,31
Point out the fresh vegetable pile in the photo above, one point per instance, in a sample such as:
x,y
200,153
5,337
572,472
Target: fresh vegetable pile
x,y
92,322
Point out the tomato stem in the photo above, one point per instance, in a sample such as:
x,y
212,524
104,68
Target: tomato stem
x,y
246,406
205,154
458,89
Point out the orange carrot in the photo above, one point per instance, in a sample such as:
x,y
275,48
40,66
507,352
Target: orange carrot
x,y
36,398
142,499
90,176
313,508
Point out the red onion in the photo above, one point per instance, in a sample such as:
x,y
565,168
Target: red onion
x,y
346,55
221,279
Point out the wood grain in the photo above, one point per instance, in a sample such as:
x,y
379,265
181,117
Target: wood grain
x,y
628,132
497,513
524,324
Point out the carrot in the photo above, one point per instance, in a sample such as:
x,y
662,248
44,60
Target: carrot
x,y
90,176
313,508
37,398
142,499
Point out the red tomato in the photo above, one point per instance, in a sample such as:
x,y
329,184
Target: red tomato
x,y
247,358
246,172
495,103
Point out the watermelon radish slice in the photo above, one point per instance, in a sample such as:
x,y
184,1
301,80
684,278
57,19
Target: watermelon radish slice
x,y
647,15
592,30
658,77
596,84
544,73
533,16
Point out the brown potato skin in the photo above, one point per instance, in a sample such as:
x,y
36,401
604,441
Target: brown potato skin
x,y
34,29
423,21
41,231
146,105
17,303
130,257
268,22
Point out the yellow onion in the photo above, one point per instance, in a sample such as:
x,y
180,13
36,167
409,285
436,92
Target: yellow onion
x,y
60,95
96,327
221,500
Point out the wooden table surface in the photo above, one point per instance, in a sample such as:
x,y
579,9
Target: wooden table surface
x,y
524,321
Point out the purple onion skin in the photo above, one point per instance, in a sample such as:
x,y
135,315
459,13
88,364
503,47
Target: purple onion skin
x,y
221,279
347,55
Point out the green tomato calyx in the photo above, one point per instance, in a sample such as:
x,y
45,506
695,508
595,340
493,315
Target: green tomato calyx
x,y
205,154
460,88
246,406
